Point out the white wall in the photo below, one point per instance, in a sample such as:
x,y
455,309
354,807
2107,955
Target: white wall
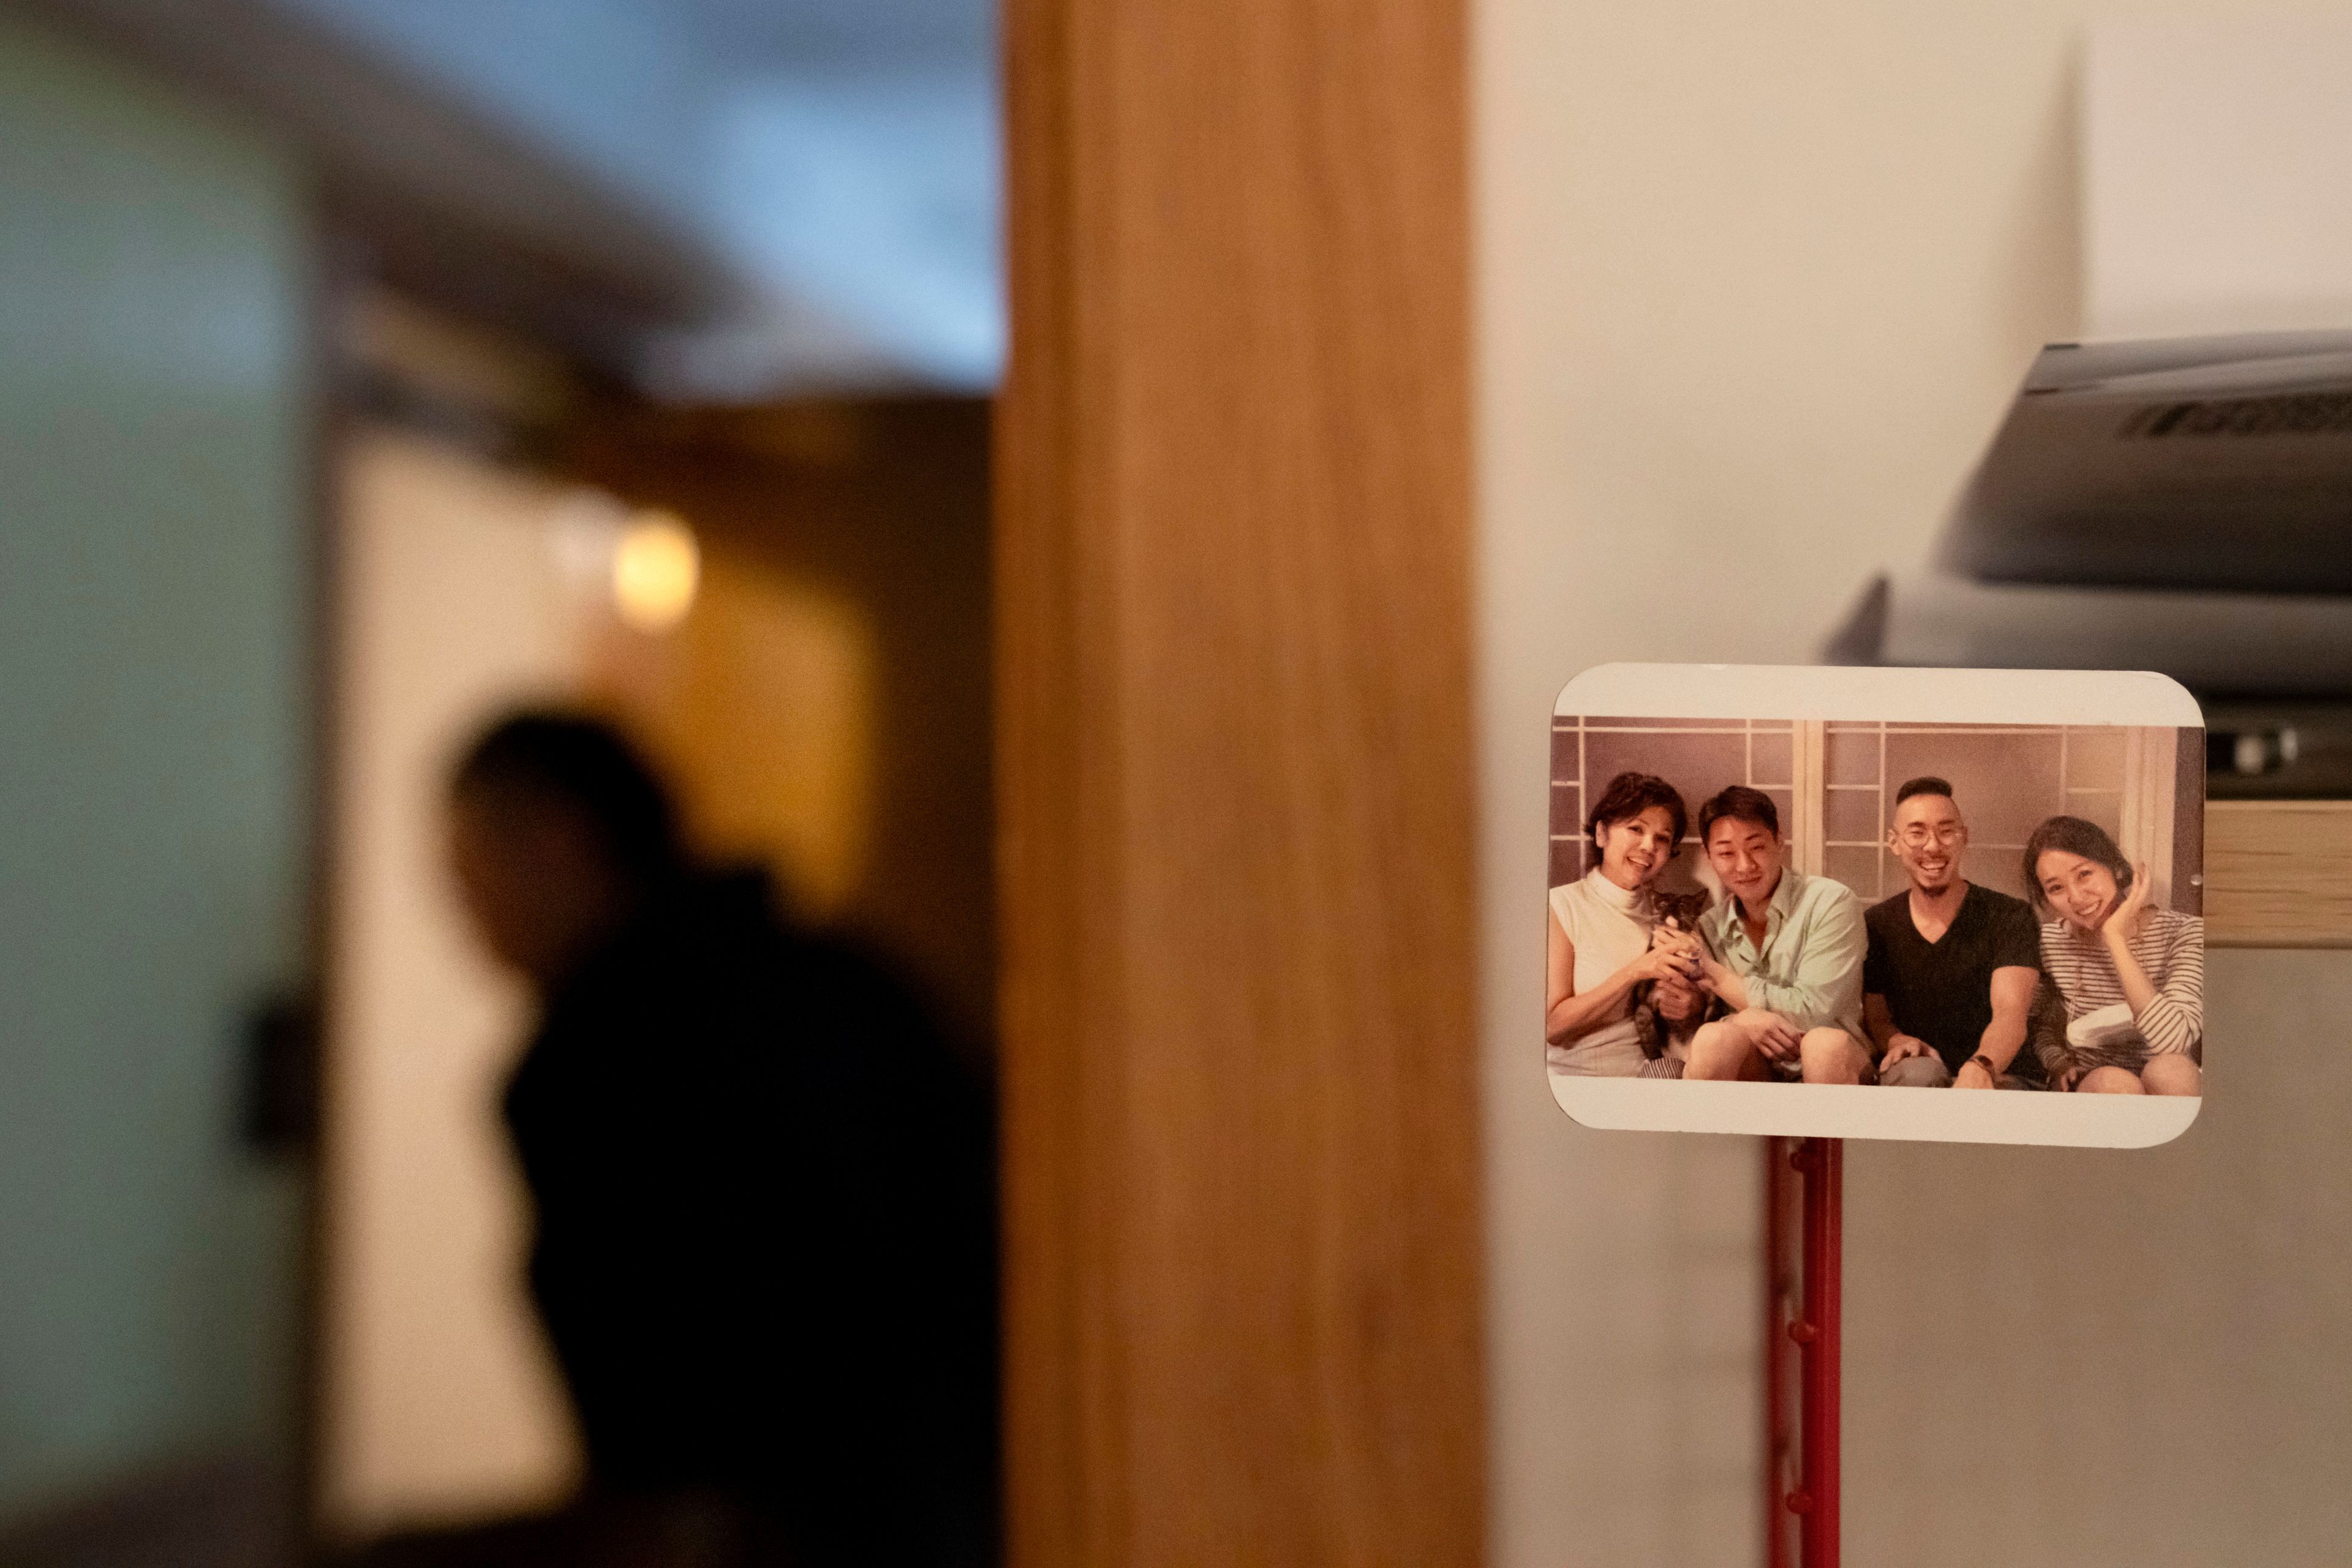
x,y
2215,154
440,1398
1755,284
154,777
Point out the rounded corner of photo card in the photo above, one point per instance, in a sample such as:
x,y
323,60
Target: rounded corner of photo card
x,y
2183,1111
1586,685
2188,713
1951,905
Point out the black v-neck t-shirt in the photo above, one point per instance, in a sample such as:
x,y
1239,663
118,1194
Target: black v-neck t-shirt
x,y
1942,991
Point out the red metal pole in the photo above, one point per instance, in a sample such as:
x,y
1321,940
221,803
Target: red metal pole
x,y
1815,1501
1776,1352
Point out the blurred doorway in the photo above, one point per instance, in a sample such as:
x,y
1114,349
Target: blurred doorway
x,y
788,606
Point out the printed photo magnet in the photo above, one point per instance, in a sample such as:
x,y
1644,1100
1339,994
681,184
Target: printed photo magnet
x,y
1951,904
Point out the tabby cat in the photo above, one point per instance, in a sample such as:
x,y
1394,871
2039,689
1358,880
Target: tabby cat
x,y
1678,912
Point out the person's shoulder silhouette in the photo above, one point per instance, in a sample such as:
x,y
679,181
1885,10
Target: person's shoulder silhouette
x,y
763,1244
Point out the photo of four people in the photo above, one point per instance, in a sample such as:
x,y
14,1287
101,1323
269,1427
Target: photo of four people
x,y
1694,947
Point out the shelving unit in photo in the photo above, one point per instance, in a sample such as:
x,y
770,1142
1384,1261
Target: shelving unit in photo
x,y
1835,784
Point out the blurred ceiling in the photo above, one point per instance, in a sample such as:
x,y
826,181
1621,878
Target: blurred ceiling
x,y
714,199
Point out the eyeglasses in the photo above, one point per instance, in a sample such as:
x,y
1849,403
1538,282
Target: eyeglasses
x,y
1946,835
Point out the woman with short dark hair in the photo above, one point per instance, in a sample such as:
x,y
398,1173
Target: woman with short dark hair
x,y
2130,973
1601,949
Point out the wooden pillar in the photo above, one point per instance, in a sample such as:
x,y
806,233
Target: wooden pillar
x,y
1234,765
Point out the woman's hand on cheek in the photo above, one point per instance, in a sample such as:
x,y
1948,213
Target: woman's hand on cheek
x,y
2125,916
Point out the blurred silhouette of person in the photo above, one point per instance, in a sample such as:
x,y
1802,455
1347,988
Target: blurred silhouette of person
x,y
761,1187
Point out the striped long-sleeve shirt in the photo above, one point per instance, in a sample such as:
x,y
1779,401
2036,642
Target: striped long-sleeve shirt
x,y
2170,950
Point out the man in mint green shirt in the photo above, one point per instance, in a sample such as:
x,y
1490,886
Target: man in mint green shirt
x,y
1784,952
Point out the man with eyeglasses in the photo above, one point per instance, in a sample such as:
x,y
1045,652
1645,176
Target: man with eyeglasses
x,y
1949,976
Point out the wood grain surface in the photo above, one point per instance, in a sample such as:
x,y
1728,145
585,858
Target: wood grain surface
x,y
2278,873
1234,754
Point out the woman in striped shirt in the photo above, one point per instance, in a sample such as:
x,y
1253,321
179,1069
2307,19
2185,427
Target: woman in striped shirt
x,y
2131,974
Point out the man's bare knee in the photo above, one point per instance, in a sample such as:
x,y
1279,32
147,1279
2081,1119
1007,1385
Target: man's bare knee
x,y
1831,1056
1718,1050
1916,1072
2172,1074
2111,1080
